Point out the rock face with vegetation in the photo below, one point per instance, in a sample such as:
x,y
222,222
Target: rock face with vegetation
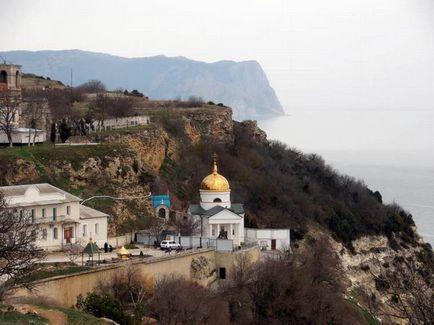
x,y
279,187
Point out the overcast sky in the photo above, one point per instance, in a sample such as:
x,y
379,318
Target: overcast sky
x,y
344,54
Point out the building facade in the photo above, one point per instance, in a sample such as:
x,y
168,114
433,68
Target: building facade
x,y
10,91
219,217
62,220
10,77
161,205
269,239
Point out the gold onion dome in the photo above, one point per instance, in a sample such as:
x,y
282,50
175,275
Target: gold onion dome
x,y
123,252
214,181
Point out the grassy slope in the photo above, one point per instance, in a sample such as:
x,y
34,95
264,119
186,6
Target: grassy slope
x,y
14,317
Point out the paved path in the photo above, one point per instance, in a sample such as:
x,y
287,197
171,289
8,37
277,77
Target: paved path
x,y
57,257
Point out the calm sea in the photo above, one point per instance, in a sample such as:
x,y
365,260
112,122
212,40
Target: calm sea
x,y
391,151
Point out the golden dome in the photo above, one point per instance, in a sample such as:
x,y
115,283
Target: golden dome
x,y
123,253
214,181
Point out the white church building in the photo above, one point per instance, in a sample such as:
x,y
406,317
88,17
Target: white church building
x,y
219,217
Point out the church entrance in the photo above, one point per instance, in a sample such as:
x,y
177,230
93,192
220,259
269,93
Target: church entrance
x,y
67,234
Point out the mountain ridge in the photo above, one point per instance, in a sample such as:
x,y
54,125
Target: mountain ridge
x,y
242,85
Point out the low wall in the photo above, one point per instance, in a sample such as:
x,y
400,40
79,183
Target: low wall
x,y
119,241
228,260
65,289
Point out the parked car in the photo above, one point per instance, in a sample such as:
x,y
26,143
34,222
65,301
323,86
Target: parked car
x,y
169,244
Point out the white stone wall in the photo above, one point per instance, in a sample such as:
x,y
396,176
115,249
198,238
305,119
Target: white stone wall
x,y
264,237
121,122
23,137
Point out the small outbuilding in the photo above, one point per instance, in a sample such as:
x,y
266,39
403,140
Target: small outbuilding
x,y
269,239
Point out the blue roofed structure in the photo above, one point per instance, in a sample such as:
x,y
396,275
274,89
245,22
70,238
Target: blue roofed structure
x,y
158,200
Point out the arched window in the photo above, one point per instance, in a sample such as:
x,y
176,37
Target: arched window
x,y
162,213
3,77
217,200
17,80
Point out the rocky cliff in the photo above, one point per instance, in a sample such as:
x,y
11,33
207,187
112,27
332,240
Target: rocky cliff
x,y
279,187
240,85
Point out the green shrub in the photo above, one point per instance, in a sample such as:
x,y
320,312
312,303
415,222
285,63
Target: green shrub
x,y
102,306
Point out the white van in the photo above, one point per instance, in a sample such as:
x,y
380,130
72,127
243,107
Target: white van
x,y
166,244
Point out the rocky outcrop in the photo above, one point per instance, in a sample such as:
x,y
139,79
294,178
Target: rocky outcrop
x,y
250,129
202,270
213,124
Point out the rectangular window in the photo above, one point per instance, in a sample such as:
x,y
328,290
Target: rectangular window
x,y
84,230
21,214
55,233
96,228
54,214
68,210
43,212
33,214
44,234
212,232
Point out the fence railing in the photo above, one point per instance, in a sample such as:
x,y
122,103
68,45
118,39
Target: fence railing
x,y
191,242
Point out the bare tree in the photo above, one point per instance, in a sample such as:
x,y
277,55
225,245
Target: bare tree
x,y
18,252
408,288
9,113
178,301
186,226
33,112
155,226
73,252
114,105
128,286
93,86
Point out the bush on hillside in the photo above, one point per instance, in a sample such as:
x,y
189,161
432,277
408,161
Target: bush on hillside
x,y
288,189
102,306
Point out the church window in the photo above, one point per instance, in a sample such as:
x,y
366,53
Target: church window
x,y
55,233
217,200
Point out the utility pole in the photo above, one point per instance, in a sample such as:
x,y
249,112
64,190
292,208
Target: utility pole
x,y
116,198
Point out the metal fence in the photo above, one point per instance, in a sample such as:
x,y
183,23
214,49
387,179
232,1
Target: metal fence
x,y
190,242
